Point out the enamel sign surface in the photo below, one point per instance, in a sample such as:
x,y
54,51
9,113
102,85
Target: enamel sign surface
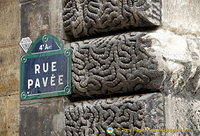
x,y
46,69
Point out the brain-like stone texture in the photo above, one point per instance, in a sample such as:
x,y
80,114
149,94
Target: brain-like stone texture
x,y
113,65
127,115
89,17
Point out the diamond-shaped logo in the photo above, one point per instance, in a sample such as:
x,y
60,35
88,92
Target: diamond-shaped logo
x,y
25,43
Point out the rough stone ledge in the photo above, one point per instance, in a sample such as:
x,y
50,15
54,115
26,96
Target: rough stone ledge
x,y
92,118
113,65
159,60
182,113
89,17
179,57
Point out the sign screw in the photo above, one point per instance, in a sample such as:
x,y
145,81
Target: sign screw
x,y
67,90
45,38
67,53
23,59
23,94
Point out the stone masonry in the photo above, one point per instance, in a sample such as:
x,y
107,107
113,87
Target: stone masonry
x,y
9,67
135,67
88,17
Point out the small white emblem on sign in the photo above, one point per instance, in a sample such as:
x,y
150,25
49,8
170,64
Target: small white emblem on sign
x,y
25,43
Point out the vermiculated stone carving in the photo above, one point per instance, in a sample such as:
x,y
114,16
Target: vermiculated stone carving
x,y
92,118
88,17
114,64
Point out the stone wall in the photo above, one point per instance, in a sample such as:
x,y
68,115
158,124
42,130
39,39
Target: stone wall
x,y
135,65
9,67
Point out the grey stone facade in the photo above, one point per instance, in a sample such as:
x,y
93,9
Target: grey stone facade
x,y
114,64
42,117
128,71
89,17
40,17
135,113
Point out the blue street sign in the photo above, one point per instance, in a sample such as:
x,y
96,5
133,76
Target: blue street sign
x,y
46,69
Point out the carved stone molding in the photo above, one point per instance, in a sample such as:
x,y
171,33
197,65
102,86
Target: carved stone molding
x,y
114,64
92,118
89,17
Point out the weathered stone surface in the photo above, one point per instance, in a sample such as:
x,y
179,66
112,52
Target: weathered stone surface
x,y
91,118
181,16
12,115
114,64
41,17
179,57
9,115
9,67
22,1
3,126
9,20
89,17
160,60
182,113
9,70
42,117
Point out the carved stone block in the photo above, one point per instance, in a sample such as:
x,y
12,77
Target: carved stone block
x,y
114,64
134,113
89,17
